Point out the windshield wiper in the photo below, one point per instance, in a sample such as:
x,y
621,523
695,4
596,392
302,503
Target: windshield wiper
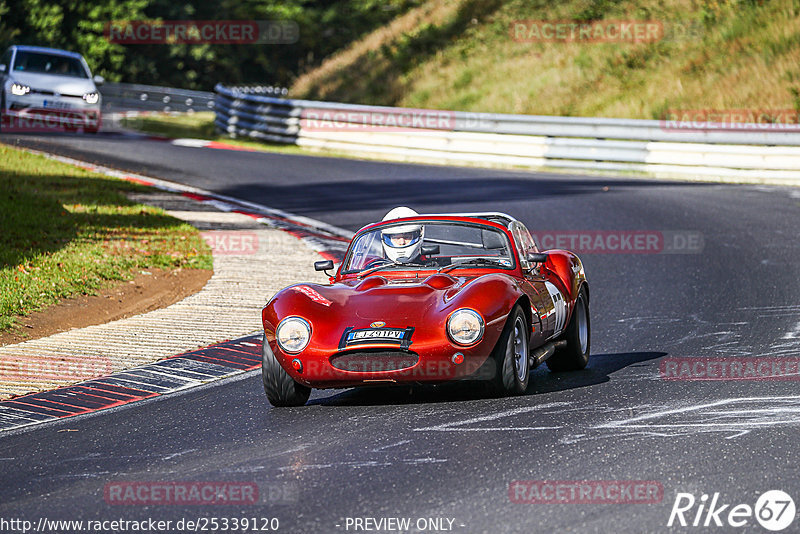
x,y
362,274
474,261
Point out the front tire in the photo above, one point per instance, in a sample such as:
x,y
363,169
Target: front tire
x,y
575,356
280,387
511,356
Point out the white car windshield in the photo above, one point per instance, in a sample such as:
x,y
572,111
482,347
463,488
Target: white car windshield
x,y
442,246
42,63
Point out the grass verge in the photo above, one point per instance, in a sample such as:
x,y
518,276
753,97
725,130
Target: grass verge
x,y
68,231
198,125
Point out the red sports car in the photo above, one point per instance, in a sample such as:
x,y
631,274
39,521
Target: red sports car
x,y
429,299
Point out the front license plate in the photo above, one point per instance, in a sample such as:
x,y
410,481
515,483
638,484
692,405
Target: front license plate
x,y
382,336
57,104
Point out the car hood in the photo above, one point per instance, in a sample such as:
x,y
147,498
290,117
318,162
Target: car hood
x,y
405,299
399,302
64,85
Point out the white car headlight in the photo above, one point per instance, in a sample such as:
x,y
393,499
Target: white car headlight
x,y
293,334
465,326
19,89
91,98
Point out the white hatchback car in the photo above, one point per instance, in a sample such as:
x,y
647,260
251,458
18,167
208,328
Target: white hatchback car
x,y
46,88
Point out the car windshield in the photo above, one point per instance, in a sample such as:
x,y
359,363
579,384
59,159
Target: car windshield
x,y
436,245
41,63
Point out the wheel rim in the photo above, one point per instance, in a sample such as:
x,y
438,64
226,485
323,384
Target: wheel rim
x,y
520,347
583,327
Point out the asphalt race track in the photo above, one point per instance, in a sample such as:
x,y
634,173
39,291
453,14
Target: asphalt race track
x,y
453,452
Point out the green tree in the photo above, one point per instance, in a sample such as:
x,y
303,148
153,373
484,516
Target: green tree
x,y
325,26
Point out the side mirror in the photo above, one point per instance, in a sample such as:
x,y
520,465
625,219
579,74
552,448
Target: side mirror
x,y
2,67
99,80
324,265
537,258
430,250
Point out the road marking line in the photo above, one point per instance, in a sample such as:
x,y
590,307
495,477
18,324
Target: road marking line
x,y
450,427
696,407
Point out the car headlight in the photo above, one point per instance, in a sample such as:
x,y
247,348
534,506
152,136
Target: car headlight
x,y
465,326
19,89
293,334
91,98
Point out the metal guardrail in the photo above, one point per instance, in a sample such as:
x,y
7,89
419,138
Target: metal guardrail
x,y
263,90
524,140
119,97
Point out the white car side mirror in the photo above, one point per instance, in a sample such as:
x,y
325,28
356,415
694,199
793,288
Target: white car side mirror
x,y
2,68
99,80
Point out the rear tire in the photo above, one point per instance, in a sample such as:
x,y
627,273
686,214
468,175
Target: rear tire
x,y
280,387
575,356
511,356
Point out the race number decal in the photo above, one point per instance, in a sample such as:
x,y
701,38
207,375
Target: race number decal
x,y
560,307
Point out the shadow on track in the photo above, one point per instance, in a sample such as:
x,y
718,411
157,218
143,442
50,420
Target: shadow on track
x,y
434,190
601,366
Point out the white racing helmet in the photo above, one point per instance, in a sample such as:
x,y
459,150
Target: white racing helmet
x,y
402,243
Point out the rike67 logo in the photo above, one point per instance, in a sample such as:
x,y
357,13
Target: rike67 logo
x,y
774,510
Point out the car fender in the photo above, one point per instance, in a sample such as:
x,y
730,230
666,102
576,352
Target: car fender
x,y
567,268
304,300
493,296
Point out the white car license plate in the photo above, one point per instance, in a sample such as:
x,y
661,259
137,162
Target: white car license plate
x,y
57,104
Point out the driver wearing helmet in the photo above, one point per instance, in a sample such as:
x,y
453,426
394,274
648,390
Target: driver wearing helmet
x,y
403,243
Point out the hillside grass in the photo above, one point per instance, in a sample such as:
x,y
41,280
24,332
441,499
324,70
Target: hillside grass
x,y
67,231
459,54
